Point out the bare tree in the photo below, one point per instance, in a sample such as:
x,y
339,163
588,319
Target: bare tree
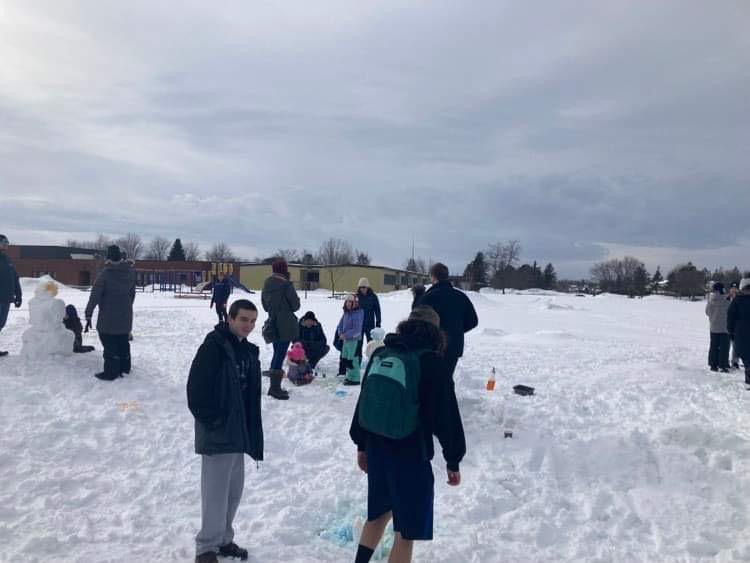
x,y
100,243
501,255
220,252
192,251
335,251
132,244
289,254
363,259
158,249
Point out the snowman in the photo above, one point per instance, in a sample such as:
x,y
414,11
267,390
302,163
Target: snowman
x,y
47,335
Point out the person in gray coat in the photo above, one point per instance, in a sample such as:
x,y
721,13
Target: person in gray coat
x,y
113,293
10,288
280,301
717,308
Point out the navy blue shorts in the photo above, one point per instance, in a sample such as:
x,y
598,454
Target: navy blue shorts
x,y
404,484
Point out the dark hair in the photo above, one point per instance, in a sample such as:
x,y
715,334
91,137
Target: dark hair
x,y
439,271
425,332
241,304
356,304
417,290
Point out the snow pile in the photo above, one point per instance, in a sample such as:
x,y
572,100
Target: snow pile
x,y
630,449
46,334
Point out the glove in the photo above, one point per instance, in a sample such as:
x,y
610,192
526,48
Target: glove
x,y
88,325
18,303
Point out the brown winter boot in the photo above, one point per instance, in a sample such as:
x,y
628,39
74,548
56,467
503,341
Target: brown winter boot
x,y
275,389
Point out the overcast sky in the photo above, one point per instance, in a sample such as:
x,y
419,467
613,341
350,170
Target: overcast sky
x,y
585,129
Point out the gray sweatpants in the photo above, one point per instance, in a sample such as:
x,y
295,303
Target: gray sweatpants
x,y
222,481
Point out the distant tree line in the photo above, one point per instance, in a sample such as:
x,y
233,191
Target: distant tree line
x,y
497,267
158,248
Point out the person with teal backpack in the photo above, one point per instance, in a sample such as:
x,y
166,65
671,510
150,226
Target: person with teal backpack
x,y
407,397
349,330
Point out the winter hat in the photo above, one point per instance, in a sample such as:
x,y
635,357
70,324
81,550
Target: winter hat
x,y
363,282
718,286
425,314
350,297
377,333
745,284
734,285
309,316
4,240
113,253
280,266
297,353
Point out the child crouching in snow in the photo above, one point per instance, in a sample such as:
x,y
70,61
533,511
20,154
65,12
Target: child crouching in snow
x,y
377,335
299,371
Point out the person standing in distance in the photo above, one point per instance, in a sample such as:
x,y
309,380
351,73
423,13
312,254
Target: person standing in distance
x,y
457,314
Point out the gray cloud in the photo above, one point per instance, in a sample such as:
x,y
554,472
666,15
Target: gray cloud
x,y
579,129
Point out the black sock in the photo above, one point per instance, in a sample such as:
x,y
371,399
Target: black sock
x,y
363,554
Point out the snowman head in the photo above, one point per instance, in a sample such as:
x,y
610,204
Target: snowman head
x,y
46,289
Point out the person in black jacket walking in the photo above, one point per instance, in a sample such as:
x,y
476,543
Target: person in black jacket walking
x,y
113,293
222,289
457,314
400,481
223,393
10,288
738,324
313,338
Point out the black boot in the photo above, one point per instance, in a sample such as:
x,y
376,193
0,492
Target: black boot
x,y
275,389
3,354
233,550
112,369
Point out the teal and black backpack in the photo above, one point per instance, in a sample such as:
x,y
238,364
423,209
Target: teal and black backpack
x,y
389,400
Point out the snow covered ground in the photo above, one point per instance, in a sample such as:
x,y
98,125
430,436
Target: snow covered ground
x,y
631,450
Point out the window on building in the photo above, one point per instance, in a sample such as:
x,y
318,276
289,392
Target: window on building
x,y
313,277
404,280
389,279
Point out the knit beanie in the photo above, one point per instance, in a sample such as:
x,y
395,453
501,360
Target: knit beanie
x,y
718,286
744,284
363,282
280,266
425,314
113,253
297,352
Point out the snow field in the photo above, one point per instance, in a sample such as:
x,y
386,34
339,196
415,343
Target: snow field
x,y
630,450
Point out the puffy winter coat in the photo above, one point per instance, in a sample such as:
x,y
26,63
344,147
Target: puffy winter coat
x,y
223,393
10,288
717,308
457,315
221,291
113,293
738,324
350,325
280,301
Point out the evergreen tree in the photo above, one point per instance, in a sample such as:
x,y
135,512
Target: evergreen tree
x,y
476,272
549,277
640,280
177,253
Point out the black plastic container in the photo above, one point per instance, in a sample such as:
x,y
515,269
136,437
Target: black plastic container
x,y
523,390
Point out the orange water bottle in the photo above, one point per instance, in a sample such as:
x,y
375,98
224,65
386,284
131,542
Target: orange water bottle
x,y
491,381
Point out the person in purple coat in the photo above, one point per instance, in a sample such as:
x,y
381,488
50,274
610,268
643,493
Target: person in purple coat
x,y
349,330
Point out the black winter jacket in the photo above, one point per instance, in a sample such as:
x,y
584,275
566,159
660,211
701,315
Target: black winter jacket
x,y
457,315
438,411
313,338
370,304
10,288
738,323
221,291
223,392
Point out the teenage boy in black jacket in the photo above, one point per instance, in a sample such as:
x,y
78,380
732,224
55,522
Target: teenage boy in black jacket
x,y
223,392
